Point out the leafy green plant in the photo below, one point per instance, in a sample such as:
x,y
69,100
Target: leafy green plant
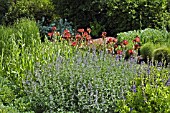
x,y
147,51
23,30
34,9
162,54
116,15
6,93
97,28
57,77
46,27
63,24
146,35
148,93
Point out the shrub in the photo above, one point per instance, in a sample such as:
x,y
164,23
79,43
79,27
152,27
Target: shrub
x,y
148,93
147,51
26,30
4,6
60,24
162,54
29,9
5,39
156,36
24,33
115,16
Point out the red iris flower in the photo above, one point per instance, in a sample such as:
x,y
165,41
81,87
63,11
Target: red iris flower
x,y
104,34
137,39
80,30
115,46
67,35
136,46
66,31
130,51
85,34
119,52
125,42
88,37
54,28
78,36
89,30
110,39
50,34
74,44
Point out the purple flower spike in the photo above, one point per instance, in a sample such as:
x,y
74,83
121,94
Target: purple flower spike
x,y
131,109
148,70
168,82
133,88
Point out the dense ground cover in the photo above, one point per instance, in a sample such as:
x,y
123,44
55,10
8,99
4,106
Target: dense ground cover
x,y
56,77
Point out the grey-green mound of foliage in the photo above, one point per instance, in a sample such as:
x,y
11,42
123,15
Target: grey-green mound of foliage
x,y
156,36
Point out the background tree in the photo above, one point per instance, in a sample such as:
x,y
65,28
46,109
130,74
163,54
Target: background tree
x,y
112,16
82,14
4,5
115,16
29,9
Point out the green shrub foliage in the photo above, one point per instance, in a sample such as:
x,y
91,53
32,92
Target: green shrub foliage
x,y
21,34
147,35
4,6
56,77
162,54
147,51
29,9
149,93
115,15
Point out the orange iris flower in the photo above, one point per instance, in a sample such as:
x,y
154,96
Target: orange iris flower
x,y
80,30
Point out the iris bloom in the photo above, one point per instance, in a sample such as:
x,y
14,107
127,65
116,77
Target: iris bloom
x,y
130,52
89,30
119,52
104,34
54,28
137,39
74,44
78,36
80,30
125,42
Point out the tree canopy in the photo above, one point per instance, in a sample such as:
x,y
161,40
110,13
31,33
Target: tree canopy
x,y
112,16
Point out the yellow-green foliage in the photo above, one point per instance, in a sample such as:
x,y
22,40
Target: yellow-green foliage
x,y
148,94
147,50
20,35
162,54
29,9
